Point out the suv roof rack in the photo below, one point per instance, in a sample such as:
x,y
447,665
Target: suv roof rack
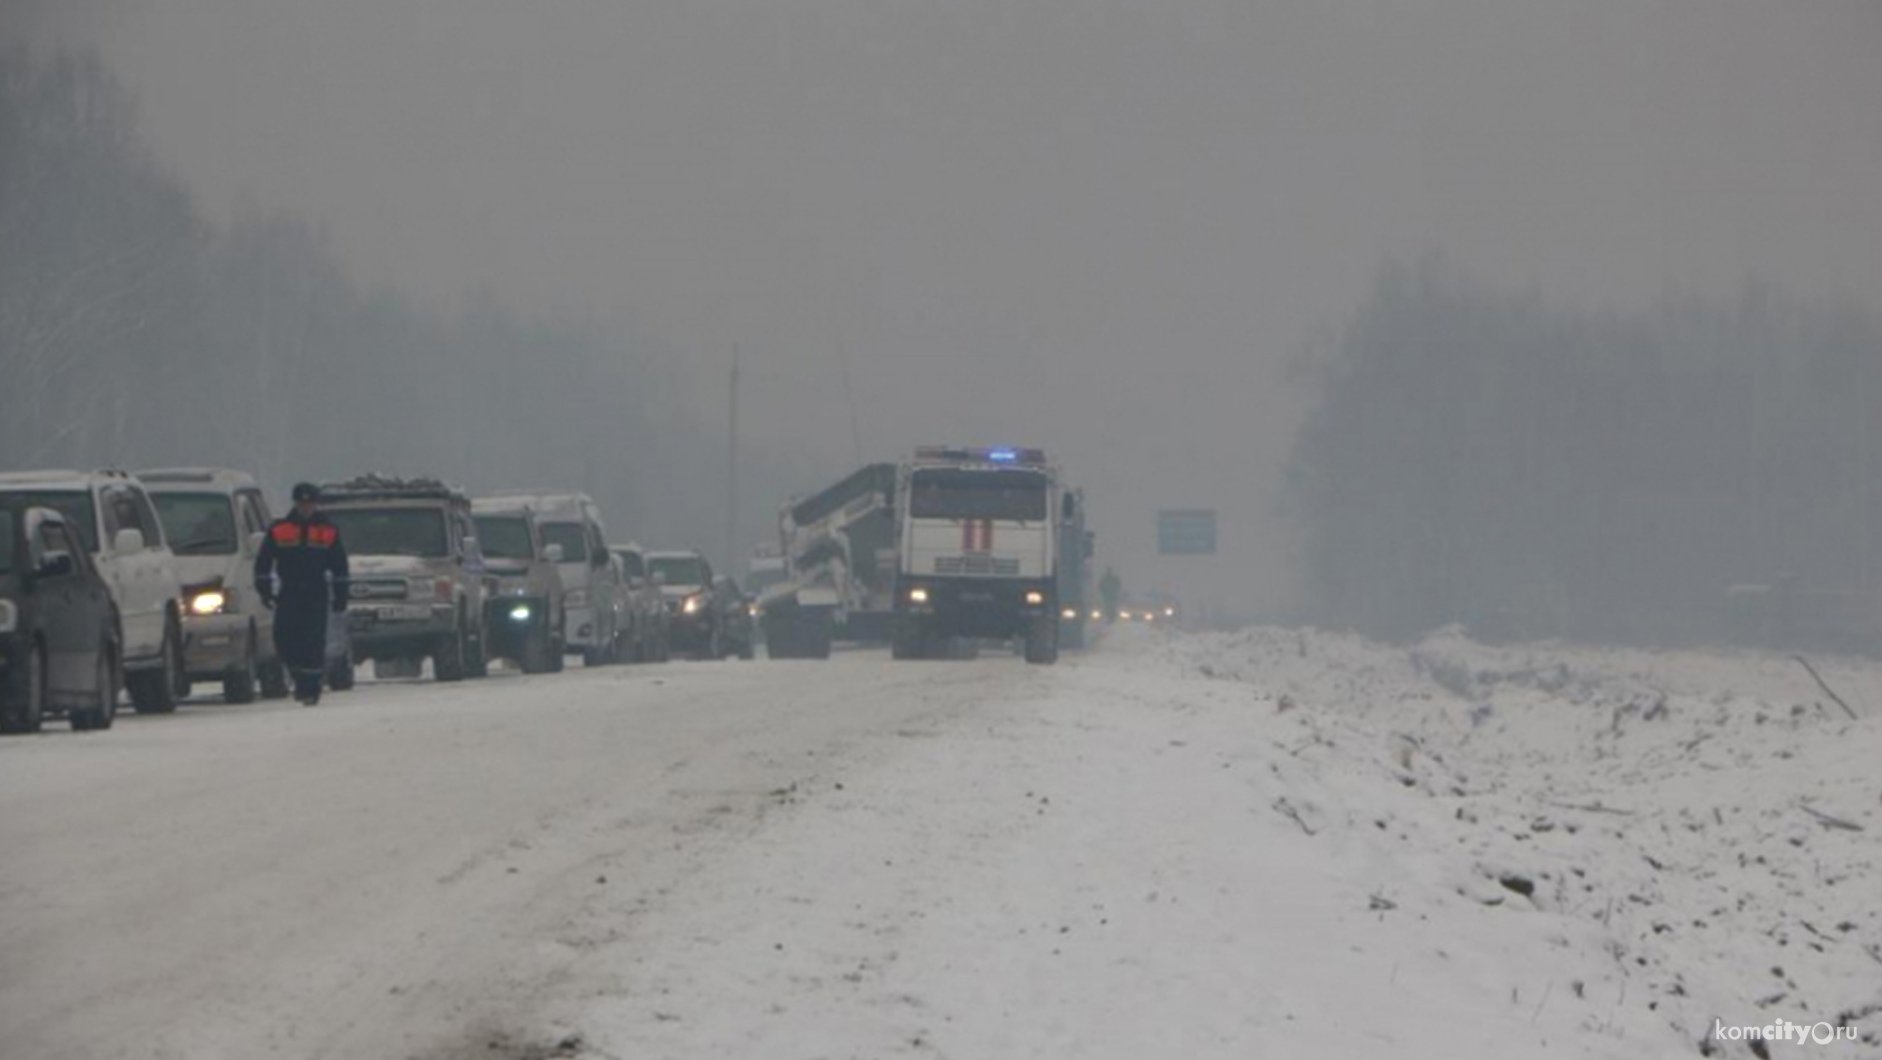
x,y
374,487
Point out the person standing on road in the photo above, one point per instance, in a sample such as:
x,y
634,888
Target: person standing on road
x,y
306,551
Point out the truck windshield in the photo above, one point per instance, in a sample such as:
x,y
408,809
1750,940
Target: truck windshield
x,y
572,538
678,570
504,537
75,505
197,524
392,531
953,493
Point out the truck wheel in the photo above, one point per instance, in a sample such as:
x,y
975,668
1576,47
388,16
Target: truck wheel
x,y
820,635
447,659
239,684
29,712
153,691
1042,641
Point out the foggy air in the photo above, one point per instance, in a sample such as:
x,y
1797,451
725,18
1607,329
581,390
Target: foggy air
x,y
1076,528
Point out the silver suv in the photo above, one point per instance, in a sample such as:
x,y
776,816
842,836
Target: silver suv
x,y
525,615
215,520
417,582
590,584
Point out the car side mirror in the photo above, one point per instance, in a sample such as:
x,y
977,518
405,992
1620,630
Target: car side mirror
x,y
552,553
128,540
55,565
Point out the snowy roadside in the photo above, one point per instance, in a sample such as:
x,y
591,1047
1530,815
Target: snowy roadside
x,y
1288,844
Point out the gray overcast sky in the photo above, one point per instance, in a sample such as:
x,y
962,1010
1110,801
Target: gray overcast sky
x,y
1101,225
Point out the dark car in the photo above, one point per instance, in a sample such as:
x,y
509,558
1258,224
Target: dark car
x,y
739,635
695,623
59,636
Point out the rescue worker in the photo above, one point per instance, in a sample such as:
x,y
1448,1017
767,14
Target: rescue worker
x,y
306,551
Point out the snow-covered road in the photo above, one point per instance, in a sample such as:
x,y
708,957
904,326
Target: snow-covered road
x,y
1264,844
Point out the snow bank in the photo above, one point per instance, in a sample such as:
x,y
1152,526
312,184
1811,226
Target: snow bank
x,y
1293,843
1714,816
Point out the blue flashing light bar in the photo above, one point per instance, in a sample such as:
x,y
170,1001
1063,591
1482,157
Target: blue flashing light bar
x,y
1004,455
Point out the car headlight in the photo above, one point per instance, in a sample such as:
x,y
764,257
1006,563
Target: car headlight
x,y
211,602
1068,614
691,606
752,610
1034,598
520,613
575,598
1096,615
918,595
9,616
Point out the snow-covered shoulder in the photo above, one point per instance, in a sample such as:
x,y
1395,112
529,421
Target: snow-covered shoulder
x,y
1299,843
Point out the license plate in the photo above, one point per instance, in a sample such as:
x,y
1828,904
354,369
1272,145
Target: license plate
x,y
403,613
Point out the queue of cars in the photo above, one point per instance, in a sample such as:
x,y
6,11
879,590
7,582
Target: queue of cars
x,y
113,582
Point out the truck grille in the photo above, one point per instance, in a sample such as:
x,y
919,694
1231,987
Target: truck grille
x,y
976,563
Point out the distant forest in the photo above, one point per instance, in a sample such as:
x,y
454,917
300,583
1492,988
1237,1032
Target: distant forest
x,y
135,331
1695,471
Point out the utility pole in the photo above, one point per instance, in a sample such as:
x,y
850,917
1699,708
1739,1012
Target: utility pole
x,y
731,468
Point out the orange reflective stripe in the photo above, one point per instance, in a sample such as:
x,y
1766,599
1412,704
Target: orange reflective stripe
x,y
320,535
286,535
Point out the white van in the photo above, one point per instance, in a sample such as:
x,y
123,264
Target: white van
x,y
215,520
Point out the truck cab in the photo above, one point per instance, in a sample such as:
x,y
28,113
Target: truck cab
x,y
979,530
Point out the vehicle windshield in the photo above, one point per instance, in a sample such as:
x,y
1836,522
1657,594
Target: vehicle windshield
x,y
951,493
75,505
678,570
504,537
572,538
392,531
197,524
